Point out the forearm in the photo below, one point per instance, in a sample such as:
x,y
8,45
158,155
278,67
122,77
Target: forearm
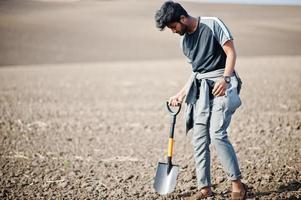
x,y
231,58
230,63
221,85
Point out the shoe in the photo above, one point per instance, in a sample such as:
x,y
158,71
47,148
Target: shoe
x,y
199,195
240,195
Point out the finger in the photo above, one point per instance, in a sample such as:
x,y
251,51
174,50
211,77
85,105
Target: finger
x,y
170,101
216,93
221,93
178,103
174,102
221,88
215,87
218,89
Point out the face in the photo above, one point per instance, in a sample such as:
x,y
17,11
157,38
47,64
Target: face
x,y
178,27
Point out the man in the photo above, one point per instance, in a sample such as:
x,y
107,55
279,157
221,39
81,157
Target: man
x,y
211,92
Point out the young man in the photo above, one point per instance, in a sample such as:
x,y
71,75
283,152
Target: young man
x,y
211,92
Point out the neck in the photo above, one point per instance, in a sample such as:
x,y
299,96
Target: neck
x,y
192,24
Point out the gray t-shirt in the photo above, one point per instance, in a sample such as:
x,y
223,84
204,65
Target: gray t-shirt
x,y
203,47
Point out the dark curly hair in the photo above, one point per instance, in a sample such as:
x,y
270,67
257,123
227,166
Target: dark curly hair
x,y
169,12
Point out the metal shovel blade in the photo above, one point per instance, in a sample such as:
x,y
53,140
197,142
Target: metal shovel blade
x,y
165,182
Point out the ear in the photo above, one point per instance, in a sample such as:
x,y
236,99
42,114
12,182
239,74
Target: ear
x,y
182,19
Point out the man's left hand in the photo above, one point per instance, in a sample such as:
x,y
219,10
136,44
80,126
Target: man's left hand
x,y
219,88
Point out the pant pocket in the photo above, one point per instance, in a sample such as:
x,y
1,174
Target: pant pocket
x,y
217,114
232,100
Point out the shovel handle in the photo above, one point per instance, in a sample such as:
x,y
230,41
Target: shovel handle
x,y
171,133
173,118
169,156
170,147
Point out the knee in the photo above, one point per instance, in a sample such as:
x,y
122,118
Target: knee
x,y
200,138
218,135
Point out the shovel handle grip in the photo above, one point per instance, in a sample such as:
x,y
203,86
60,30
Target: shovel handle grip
x,y
169,156
173,113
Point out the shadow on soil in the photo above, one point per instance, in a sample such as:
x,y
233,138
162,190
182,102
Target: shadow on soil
x,y
289,187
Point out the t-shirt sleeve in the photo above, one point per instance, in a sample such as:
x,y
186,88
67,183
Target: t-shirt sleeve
x,y
221,32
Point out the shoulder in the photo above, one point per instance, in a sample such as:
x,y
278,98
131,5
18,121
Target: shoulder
x,y
211,21
217,26
210,18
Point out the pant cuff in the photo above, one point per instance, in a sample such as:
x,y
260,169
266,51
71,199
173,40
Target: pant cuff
x,y
235,177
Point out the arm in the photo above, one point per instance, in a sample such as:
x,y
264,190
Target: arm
x,y
221,86
231,57
180,96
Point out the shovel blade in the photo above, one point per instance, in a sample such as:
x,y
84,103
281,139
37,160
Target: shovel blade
x,y
165,182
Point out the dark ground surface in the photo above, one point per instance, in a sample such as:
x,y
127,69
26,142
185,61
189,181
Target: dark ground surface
x,y
75,132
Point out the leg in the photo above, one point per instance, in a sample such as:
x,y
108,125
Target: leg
x,y
201,141
219,122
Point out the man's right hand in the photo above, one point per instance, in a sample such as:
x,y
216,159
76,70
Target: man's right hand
x,y
176,100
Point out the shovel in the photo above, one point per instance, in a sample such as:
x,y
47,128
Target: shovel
x,y
167,173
